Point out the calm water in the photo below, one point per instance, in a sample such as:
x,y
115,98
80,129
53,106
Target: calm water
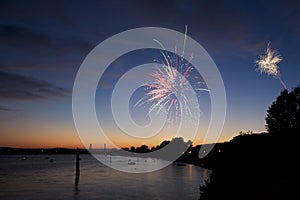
x,y
37,178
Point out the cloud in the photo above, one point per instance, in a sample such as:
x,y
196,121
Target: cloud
x,y
255,47
17,35
3,108
23,47
18,87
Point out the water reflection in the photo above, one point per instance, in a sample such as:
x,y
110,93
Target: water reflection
x,y
205,174
76,192
190,171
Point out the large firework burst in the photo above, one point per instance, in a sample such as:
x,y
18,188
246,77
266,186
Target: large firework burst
x,y
170,84
268,63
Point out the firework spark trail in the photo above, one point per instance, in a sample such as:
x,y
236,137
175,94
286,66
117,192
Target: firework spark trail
x,y
268,63
170,82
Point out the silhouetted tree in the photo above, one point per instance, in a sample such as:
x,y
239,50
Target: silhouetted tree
x,y
144,148
132,149
283,115
164,143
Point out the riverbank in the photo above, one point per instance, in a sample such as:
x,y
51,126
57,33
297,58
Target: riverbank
x,y
35,151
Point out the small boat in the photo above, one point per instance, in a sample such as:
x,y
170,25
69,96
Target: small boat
x,y
131,163
24,158
181,164
51,160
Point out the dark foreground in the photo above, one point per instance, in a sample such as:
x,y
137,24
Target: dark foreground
x,y
255,166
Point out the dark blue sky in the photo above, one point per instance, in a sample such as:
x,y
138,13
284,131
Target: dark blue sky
x,y
43,43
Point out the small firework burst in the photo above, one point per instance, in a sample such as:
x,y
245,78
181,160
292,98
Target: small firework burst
x,y
268,63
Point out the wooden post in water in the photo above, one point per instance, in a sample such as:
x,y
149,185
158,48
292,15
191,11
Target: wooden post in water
x,y
77,168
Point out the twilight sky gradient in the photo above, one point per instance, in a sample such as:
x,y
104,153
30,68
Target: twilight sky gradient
x,y
43,43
